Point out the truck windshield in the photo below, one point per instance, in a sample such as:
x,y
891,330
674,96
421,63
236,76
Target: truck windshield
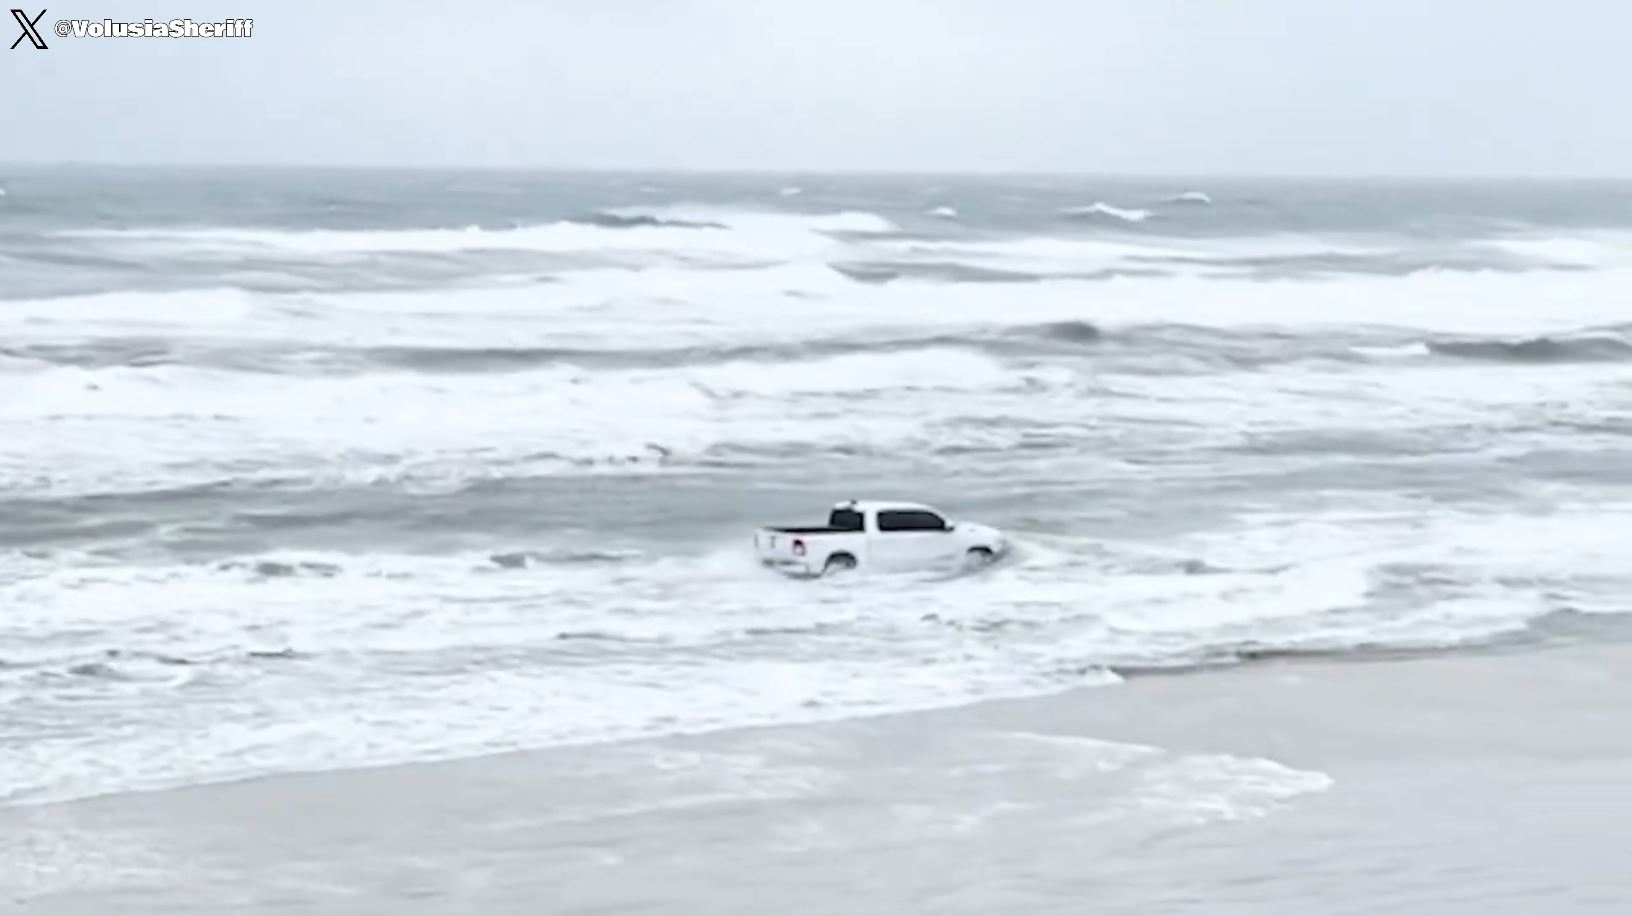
x,y
844,520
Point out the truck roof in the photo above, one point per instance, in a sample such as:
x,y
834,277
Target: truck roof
x,y
880,505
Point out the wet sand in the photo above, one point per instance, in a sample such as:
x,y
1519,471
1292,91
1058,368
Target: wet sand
x,y
1480,783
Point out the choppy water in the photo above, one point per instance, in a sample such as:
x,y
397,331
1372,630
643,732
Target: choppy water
x,y
310,470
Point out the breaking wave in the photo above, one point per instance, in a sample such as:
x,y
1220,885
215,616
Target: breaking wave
x,y
1158,343
1100,208
152,353
642,220
675,230
1537,349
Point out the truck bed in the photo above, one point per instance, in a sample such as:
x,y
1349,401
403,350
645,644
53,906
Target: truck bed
x,y
818,529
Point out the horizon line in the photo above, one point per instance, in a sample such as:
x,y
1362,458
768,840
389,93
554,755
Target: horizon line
x,y
839,171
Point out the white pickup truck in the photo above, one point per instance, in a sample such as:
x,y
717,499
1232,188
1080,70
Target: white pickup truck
x,y
880,535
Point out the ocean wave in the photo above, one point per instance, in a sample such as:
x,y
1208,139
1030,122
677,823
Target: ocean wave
x,y
525,559
1602,249
1156,348
1546,628
44,671
676,230
1251,652
296,359
190,425
826,292
1101,208
1537,349
953,272
614,220
1263,258
278,568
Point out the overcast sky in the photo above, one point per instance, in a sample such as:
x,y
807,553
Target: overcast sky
x,y
1437,87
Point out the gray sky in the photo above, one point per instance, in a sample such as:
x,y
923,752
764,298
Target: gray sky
x,y
1439,87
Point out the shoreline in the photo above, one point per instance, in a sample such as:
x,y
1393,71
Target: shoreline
x,y
1415,761
1124,678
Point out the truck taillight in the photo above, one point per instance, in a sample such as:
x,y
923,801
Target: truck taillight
x,y
798,547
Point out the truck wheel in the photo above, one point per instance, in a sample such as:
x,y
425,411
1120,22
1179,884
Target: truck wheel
x,y
838,561
979,556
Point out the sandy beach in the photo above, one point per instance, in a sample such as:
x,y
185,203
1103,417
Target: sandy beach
x,y
1481,783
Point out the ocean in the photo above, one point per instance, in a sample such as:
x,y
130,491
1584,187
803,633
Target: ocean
x,y
305,471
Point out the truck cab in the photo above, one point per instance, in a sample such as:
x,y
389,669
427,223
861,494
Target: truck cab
x,y
877,535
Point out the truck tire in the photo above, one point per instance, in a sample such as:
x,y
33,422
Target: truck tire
x,y
838,561
979,556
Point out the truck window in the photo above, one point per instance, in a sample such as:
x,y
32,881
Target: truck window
x,y
910,520
844,520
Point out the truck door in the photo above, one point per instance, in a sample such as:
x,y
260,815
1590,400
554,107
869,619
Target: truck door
x,y
911,538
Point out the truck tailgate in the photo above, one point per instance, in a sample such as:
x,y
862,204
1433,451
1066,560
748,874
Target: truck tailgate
x,y
777,549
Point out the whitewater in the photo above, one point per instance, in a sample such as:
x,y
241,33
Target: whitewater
x,y
317,470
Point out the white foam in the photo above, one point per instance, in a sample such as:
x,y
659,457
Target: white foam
x,y
679,643
852,221
1304,580
1146,781
494,678
1392,399
222,310
713,233
77,430
1012,787
1131,215
1414,350
1206,789
1602,249
791,292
